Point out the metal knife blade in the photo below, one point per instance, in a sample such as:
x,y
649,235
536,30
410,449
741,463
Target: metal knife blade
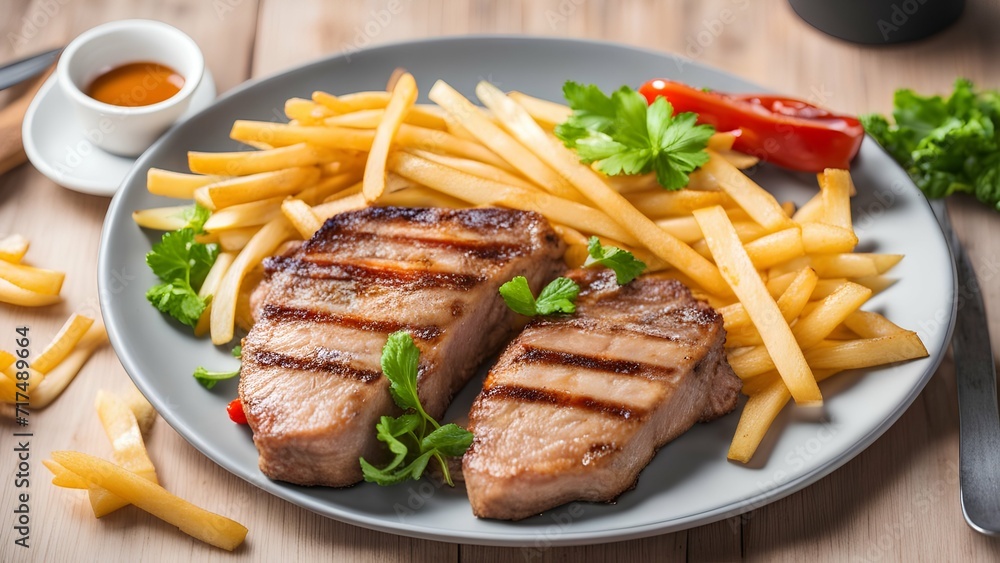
x,y
18,71
975,375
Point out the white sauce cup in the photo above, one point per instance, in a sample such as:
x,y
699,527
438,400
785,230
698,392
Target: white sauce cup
x,y
122,130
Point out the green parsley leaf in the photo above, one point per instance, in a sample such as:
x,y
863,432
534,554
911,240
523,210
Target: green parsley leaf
x,y
177,300
625,265
181,264
196,216
558,296
518,297
450,440
413,437
400,358
209,379
946,145
624,135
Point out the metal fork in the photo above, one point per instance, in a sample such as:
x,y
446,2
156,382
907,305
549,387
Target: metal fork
x,y
975,374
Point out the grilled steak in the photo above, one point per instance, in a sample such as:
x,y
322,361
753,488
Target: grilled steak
x,y
576,406
311,381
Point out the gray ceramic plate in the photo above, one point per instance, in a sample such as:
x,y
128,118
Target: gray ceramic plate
x,y
689,482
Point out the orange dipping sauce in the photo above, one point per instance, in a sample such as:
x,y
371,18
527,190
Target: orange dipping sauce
x,y
136,84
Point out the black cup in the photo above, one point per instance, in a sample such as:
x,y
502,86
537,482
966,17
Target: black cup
x,y
879,22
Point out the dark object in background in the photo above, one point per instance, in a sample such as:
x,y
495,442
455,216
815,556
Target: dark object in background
x,y
879,22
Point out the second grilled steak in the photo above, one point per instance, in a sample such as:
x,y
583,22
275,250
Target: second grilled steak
x,y
576,406
311,383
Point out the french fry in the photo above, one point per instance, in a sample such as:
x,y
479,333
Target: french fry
x,y
256,162
145,414
250,214
13,248
759,413
761,205
330,208
356,101
421,197
740,330
123,432
301,216
404,95
421,116
361,139
738,159
62,477
867,352
304,111
480,191
233,240
721,141
547,114
475,168
499,141
813,327
13,389
775,248
640,227
329,186
871,325
59,377
820,238
63,343
211,285
176,184
162,218
15,295
197,522
661,203
39,280
260,246
836,189
739,273
6,359
811,211
244,189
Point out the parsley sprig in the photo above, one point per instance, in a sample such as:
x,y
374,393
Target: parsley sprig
x,y
414,438
626,266
557,297
625,135
182,263
209,379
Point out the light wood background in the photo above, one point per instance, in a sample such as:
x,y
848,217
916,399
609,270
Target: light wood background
x,y
896,501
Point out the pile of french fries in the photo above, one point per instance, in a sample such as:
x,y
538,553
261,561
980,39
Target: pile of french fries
x,y
24,285
131,479
49,373
786,281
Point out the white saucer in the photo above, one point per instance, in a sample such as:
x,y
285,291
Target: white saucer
x,y
60,150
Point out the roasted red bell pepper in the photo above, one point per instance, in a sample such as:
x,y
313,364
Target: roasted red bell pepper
x,y
785,131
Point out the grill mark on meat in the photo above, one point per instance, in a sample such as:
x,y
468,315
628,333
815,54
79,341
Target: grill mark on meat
x,y
561,399
486,250
326,361
636,330
368,275
280,313
546,356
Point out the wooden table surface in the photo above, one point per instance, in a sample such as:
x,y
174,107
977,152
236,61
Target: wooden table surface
x,y
898,500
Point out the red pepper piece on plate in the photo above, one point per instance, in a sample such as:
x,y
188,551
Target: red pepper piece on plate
x,y
235,410
784,131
